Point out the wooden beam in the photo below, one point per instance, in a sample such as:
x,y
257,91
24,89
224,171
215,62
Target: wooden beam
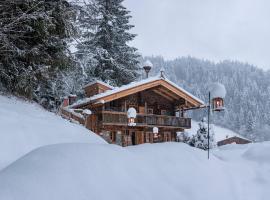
x,y
168,92
163,95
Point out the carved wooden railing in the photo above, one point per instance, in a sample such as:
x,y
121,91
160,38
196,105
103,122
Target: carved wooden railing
x,y
112,117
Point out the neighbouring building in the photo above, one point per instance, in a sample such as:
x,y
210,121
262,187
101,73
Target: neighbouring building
x,y
234,140
160,105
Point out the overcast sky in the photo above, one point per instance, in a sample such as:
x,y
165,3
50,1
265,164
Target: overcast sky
x,y
211,29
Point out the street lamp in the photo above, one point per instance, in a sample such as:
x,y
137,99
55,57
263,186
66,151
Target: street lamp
x,y
216,94
155,131
131,116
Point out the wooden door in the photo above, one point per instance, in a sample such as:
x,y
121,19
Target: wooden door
x,y
167,136
139,137
148,138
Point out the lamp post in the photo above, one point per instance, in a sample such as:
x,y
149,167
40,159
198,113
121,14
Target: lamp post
x,y
216,94
155,132
131,116
147,67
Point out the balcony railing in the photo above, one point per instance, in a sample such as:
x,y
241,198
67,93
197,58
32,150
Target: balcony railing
x,y
120,118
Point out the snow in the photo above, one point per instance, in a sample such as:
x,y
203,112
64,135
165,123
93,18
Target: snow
x,y
54,159
220,133
155,129
148,63
87,112
151,171
131,113
132,85
26,126
100,82
217,90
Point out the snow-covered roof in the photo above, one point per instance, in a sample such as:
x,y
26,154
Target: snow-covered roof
x,y
132,85
100,82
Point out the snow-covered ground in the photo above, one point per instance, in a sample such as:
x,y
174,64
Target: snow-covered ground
x,y
149,171
26,126
61,160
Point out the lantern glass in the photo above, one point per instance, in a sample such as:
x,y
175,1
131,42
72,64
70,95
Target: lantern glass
x,y
218,104
131,120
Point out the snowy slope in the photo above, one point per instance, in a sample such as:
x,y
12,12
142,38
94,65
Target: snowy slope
x,y
149,171
220,133
25,126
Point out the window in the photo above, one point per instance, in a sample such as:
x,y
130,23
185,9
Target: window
x,y
113,136
163,112
150,111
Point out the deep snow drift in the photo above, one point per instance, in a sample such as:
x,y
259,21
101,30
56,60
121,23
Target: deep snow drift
x,y
25,126
149,171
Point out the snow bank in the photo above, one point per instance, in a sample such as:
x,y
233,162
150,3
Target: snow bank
x,y
83,171
149,171
259,152
26,126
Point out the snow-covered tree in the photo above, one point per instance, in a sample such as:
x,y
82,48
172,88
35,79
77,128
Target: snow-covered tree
x,y
200,140
33,49
108,56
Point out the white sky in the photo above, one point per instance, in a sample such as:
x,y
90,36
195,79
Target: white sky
x,y
211,29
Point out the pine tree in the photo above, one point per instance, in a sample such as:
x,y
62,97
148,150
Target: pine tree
x,y
111,59
250,126
87,22
33,49
200,140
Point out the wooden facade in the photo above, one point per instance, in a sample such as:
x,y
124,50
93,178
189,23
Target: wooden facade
x,y
157,102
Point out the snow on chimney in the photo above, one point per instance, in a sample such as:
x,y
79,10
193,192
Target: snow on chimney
x,y
147,67
72,98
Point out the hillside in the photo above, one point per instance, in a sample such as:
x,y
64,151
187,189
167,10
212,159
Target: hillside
x,y
26,126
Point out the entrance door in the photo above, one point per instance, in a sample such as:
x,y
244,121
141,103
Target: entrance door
x,y
139,137
148,137
167,136
133,138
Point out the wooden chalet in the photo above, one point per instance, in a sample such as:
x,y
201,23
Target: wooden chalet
x,y
159,103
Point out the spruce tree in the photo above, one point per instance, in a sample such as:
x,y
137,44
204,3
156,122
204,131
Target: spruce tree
x,y
110,58
33,49
200,140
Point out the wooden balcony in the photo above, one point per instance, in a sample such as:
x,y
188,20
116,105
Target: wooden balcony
x,y
120,118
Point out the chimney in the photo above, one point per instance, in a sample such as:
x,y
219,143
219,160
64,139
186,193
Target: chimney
x,y
147,67
72,98
65,102
96,87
